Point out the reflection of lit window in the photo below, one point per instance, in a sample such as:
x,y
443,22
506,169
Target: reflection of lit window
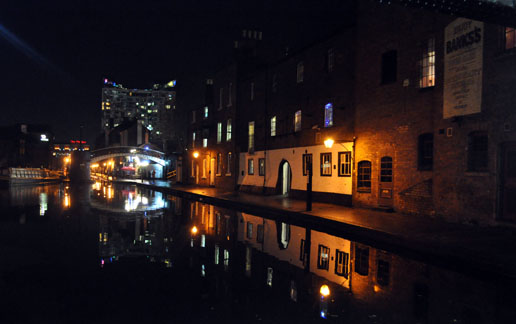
x,y
323,257
43,206
273,126
297,121
248,261
203,240
203,271
293,290
226,259
328,115
269,276
341,263
249,230
217,254
285,235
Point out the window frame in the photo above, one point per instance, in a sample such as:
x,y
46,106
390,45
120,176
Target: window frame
x,y
228,169
362,260
219,132
297,121
427,65
250,139
344,272
219,164
261,166
229,129
250,166
323,263
273,125
328,115
346,163
322,155
477,159
361,166
425,162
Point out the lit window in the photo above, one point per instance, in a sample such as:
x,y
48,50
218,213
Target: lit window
x,y
328,115
323,255
510,38
250,166
269,276
219,132
250,132
364,176
167,106
261,167
297,121
326,164
273,126
204,142
206,110
427,65
228,131
252,91
226,259
217,253
228,168
300,71
344,164
249,230
204,167
330,60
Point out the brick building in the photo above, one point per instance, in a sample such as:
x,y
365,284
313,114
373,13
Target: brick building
x,y
419,112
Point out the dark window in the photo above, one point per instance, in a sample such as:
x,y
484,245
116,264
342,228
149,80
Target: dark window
x,y
386,169
364,176
323,259
425,150
477,151
249,230
219,164
326,164
341,263
307,160
389,67
510,38
362,261
261,167
344,164
382,273
259,233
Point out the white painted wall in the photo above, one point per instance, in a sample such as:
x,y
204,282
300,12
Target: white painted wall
x,y
333,243
294,156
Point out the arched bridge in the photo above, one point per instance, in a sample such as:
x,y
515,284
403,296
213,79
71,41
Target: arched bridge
x,y
141,153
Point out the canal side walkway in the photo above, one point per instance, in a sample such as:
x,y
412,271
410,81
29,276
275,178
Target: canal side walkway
x,y
484,252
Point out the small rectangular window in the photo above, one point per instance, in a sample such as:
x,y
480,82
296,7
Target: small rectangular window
x,y
261,167
477,151
307,163
328,115
389,67
228,130
323,259
382,273
344,164
425,151
219,132
206,110
510,38
250,132
342,263
204,142
228,169
250,166
362,261
300,72
249,230
297,121
326,164
364,176
427,65
273,126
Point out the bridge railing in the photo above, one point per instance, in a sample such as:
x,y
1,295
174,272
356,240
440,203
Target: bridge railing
x,y
127,149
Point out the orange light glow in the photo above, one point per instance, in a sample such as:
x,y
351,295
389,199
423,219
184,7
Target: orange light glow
x,y
196,154
325,290
328,143
194,230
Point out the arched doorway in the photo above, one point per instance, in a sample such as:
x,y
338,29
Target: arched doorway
x,y
284,178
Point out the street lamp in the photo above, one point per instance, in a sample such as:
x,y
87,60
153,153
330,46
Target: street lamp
x,y
328,143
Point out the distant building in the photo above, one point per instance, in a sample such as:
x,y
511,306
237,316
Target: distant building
x,y
150,106
24,145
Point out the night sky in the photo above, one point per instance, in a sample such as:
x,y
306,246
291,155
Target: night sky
x,y
55,54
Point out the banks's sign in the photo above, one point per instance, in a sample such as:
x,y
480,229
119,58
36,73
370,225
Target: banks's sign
x,y
463,46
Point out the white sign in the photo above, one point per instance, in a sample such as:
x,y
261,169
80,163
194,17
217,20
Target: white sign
x,y
463,46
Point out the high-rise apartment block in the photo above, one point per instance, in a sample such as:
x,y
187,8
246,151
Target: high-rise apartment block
x,y
149,106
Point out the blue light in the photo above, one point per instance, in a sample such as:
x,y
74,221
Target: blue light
x,y
323,314
146,147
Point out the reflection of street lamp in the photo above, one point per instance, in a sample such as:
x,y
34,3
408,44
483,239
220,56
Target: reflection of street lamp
x,y
194,230
195,154
325,292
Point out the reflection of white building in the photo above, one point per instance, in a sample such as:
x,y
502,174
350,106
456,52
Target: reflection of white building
x,y
329,255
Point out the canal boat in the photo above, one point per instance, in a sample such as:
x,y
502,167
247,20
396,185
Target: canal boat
x,y
29,176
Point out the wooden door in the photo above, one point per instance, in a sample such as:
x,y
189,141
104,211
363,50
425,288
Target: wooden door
x,y
385,182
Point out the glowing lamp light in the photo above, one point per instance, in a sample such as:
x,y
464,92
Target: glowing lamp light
x,y
325,290
44,138
196,154
328,143
194,230
67,160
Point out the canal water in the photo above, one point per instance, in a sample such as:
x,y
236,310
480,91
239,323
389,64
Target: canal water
x,y
106,253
